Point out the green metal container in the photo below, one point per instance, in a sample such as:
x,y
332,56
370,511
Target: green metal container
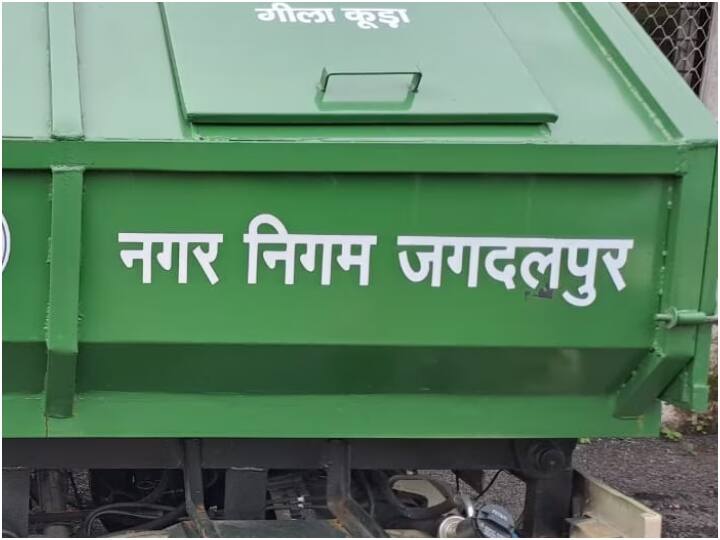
x,y
438,221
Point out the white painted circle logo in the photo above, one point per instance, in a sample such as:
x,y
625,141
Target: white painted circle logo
x,y
5,242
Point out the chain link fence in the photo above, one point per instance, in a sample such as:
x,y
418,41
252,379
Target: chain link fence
x,y
682,32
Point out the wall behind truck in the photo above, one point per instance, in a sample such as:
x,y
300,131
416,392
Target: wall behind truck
x,y
686,33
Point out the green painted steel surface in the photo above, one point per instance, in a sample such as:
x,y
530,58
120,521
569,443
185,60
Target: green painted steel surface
x,y
63,304
219,82
90,350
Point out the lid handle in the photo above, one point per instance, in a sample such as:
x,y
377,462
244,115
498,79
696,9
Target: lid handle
x,y
416,75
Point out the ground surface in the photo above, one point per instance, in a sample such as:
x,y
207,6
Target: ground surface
x,y
676,479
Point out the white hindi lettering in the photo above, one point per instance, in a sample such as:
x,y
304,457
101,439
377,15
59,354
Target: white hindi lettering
x,y
421,258
164,257
365,18
545,258
282,12
287,252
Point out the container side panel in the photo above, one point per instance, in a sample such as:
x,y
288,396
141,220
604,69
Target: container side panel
x,y
25,70
23,367
390,337
117,307
304,370
26,209
23,415
118,414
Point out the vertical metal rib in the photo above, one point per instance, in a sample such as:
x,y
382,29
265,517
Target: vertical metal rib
x,y
64,296
66,114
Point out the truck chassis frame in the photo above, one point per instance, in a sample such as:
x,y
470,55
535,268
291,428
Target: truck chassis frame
x,y
543,464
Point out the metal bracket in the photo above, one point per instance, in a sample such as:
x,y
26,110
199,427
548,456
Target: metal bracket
x,y
245,492
349,513
194,492
547,505
647,382
684,317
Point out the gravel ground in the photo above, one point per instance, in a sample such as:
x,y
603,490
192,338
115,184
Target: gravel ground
x,y
676,479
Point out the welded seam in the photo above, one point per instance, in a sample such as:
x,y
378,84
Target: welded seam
x,y
618,62
65,105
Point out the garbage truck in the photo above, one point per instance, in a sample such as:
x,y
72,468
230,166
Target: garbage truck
x,y
268,268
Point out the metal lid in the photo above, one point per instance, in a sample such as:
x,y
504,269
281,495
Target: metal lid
x,y
280,63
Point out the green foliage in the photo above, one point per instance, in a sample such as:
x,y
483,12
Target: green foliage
x,y
671,434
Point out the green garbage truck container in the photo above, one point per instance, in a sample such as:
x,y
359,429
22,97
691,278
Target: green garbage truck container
x,y
437,235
